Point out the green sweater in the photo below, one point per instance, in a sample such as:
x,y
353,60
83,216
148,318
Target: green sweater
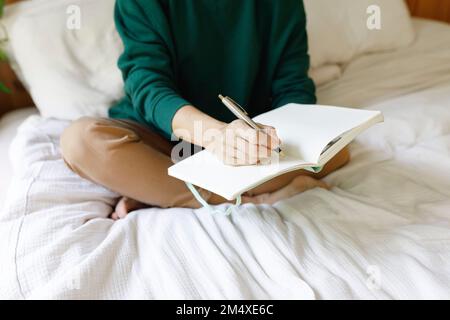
x,y
180,52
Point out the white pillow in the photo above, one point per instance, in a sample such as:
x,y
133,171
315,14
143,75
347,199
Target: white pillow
x,y
12,12
337,29
69,73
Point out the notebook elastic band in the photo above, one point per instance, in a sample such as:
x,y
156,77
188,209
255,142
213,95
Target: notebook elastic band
x,y
206,204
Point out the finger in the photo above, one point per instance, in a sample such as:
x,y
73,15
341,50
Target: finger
x,y
261,152
267,138
253,153
275,141
247,159
271,131
258,139
226,149
261,143
233,152
240,156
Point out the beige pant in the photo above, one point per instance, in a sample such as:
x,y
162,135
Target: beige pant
x,y
132,160
126,158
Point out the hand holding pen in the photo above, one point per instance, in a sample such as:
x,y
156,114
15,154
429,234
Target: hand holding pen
x,y
241,114
244,142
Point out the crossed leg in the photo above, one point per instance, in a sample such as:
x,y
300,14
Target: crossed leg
x,y
133,161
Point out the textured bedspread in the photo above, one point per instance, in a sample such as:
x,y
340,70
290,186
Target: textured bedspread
x,y
383,231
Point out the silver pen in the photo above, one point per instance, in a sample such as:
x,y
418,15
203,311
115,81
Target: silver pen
x,y
240,113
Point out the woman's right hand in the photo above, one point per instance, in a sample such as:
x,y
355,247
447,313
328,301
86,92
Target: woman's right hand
x,y
237,144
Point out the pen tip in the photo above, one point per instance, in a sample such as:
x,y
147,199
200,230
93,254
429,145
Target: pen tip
x,y
221,97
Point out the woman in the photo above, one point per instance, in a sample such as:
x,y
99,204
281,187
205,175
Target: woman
x,y
179,55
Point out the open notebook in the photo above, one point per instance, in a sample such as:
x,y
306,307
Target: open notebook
x,y
311,136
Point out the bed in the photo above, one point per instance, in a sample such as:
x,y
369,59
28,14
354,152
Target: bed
x,y
8,129
382,232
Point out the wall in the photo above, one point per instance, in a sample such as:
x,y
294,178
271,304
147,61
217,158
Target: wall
x,y
432,9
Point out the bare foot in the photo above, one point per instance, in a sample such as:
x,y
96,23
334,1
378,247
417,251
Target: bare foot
x,y
298,185
125,206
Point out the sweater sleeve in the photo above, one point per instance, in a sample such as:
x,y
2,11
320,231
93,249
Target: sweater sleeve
x,y
146,63
291,83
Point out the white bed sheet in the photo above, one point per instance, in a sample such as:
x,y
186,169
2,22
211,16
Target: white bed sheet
x,y
382,232
8,129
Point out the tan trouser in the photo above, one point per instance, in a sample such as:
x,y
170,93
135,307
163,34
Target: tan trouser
x,y
126,158
132,160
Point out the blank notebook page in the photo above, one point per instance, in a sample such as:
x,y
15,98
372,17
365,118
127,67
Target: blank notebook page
x,y
304,130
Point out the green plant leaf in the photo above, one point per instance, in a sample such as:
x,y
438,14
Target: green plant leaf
x,y
4,88
2,4
3,56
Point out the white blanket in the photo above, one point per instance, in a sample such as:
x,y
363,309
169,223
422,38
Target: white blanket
x,y
382,232
8,129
